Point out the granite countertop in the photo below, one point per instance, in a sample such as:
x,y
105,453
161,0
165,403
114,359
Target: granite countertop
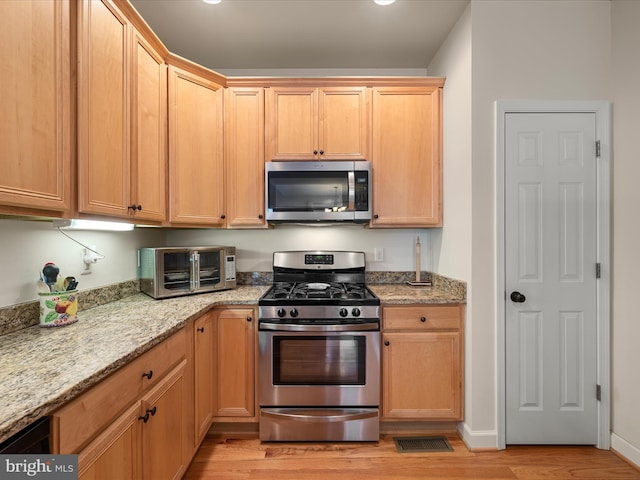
x,y
43,368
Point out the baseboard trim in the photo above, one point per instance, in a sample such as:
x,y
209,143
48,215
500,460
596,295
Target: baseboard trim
x,y
625,450
479,440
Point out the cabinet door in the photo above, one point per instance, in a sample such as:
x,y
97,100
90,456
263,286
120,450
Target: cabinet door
x,y
35,138
407,157
103,109
292,123
164,434
344,123
234,373
203,366
244,157
421,376
196,171
115,452
148,132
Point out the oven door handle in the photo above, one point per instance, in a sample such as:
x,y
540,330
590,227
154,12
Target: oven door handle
x,y
320,415
343,327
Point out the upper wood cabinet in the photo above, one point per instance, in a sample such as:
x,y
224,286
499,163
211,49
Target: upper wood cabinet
x,y
196,168
148,132
328,123
407,156
244,157
35,123
121,117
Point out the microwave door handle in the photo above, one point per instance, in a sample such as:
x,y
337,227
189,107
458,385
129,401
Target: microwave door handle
x,y
351,180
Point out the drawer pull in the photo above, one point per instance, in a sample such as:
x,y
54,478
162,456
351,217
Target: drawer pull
x,y
423,319
148,375
201,329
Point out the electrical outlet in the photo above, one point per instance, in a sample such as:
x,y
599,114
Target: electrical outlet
x,y
378,254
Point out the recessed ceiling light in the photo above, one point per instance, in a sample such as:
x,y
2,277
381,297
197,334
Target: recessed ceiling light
x,y
384,2
213,2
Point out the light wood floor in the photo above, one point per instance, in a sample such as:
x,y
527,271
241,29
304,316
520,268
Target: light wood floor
x,y
221,458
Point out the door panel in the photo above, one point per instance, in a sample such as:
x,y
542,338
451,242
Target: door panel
x,y
550,257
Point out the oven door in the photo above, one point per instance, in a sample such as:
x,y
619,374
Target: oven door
x,y
319,368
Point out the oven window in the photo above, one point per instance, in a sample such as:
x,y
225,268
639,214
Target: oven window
x,y
319,360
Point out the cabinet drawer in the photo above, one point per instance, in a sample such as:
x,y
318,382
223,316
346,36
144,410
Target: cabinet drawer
x,y
84,417
422,317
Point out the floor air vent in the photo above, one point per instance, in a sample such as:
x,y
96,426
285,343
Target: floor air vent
x,y
422,444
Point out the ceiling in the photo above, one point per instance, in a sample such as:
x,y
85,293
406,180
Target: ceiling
x,y
303,34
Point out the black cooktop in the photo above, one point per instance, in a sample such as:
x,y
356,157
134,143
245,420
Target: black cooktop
x,y
289,293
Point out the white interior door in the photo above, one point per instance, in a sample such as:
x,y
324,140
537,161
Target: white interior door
x,y
550,230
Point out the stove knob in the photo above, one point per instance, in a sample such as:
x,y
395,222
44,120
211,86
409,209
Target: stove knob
x,y
294,312
355,312
281,312
343,312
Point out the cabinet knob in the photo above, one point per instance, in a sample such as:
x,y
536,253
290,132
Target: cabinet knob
x,y
148,374
375,215
152,411
201,329
134,207
386,343
321,152
315,152
423,319
145,417
222,216
260,216
249,319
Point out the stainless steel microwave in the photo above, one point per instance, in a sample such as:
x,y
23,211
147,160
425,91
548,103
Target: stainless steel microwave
x,y
172,271
308,192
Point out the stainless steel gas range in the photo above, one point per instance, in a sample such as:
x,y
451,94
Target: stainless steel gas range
x,y
319,350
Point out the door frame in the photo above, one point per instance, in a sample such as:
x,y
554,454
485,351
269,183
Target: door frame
x,y
602,111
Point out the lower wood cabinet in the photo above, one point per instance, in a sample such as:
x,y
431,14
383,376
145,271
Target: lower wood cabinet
x,y
203,374
234,347
422,362
137,422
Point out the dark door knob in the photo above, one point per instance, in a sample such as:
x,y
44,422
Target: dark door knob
x,y
517,297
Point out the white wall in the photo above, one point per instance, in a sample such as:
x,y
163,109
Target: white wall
x,y
255,247
528,49
28,245
452,244
626,231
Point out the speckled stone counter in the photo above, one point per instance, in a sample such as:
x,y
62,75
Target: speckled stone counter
x,y
43,368
399,294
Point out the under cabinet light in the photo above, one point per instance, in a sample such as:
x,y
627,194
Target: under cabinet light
x,y
382,2
214,2
81,224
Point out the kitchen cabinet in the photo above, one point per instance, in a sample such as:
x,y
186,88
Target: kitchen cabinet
x,y
35,116
407,156
139,415
234,365
327,123
203,371
121,116
196,168
422,362
244,157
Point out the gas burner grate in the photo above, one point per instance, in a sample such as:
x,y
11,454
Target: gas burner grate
x,y
422,444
